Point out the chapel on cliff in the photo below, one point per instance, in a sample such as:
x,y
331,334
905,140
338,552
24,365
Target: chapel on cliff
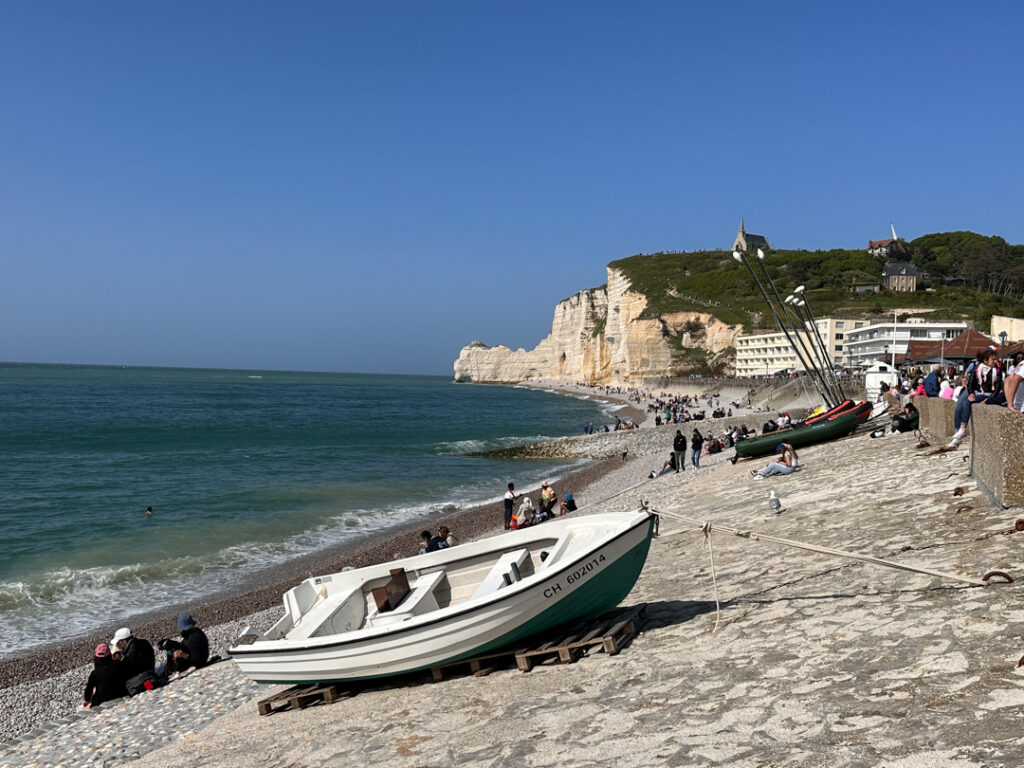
x,y
746,241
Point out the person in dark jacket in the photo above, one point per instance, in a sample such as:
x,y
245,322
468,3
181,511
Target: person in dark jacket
x,y
105,682
175,657
679,450
906,420
195,642
931,383
136,654
696,444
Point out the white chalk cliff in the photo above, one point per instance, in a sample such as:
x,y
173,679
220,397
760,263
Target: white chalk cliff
x,y
599,337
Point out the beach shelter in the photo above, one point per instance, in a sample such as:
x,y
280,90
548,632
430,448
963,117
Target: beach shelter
x,y
875,374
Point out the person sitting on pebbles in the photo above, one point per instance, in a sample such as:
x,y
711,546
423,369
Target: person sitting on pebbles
x,y
136,653
105,682
195,641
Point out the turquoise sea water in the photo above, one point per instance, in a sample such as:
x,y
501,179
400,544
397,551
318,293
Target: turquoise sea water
x,y
244,469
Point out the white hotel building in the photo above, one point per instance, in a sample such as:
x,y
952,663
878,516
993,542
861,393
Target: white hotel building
x,y
876,341
761,353
850,343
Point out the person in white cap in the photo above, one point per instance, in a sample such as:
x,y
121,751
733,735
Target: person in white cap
x,y
136,654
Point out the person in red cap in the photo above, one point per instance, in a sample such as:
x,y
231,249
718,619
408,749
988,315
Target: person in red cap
x,y
106,682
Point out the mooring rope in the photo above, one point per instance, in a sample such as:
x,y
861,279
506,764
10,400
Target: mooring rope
x,y
714,578
746,534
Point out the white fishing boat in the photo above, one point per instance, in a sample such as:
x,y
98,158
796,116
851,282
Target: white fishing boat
x,y
439,607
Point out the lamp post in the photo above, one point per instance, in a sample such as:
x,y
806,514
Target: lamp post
x,y
1002,339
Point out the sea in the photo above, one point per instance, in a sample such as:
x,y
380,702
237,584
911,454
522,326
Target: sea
x,y
244,470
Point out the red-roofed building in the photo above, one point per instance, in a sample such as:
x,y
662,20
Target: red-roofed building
x,y
964,347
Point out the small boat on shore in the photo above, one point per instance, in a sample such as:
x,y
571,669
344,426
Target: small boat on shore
x,y
440,607
835,423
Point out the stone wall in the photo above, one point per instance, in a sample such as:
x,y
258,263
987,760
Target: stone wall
x,y
936,415
996,445
997,453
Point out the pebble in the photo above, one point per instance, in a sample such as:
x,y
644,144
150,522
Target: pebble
x,y
124,729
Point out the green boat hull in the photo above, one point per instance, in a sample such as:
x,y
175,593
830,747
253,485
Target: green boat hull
x,y
802,436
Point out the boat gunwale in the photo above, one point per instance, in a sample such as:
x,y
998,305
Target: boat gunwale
x,y
368,633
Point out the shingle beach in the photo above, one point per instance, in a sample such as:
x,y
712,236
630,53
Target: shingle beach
x,y
817,661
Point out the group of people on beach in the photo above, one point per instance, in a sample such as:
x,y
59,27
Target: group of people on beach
x,y
988,380
433,542
529,514
128,665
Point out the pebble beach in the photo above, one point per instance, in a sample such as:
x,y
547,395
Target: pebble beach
x,y
815,661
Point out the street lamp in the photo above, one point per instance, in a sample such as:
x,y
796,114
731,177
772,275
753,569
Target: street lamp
x,y
1002,339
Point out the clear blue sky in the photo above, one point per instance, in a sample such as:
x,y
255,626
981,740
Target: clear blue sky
x,y
369,186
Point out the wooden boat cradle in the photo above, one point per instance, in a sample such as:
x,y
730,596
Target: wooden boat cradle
x,y
609,633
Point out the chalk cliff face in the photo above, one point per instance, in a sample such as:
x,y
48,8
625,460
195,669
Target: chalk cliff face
x,y
598,337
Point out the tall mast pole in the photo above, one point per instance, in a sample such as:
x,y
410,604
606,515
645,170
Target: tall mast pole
x,y
810,360
778,321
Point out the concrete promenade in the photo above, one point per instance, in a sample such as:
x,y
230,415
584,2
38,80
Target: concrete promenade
x,y
817,661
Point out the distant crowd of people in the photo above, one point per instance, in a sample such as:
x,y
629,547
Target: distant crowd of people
x,y
128,665
988,380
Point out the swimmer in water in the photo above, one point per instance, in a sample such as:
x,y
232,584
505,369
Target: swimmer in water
x,y
149,511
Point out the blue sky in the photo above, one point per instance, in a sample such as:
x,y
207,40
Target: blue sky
x,y
370,186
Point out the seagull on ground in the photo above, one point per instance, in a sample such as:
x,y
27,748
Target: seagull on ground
x,y
773,501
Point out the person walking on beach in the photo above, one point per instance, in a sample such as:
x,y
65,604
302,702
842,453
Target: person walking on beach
x,y
510,500
679,450
696,444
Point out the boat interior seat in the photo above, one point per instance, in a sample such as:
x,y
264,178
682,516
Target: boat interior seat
x,y
341,612
299,599
419,600
504,573
559,550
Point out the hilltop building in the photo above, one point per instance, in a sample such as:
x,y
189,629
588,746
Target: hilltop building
x,y
900,276
891,246
745,241
883,248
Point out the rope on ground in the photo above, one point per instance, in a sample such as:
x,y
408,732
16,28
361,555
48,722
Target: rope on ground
x,y
714,579
826,550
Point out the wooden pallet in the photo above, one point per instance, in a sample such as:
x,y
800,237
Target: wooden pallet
x,y
610,633
301,696
478,666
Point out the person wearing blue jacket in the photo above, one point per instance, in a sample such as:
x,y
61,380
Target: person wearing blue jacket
x,y
931,383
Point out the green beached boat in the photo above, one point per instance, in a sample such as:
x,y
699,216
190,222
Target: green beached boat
x,y
798,437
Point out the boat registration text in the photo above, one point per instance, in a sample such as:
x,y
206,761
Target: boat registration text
x,y
577,575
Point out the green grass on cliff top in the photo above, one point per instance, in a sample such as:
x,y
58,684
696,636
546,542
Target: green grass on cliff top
x,y
713,282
